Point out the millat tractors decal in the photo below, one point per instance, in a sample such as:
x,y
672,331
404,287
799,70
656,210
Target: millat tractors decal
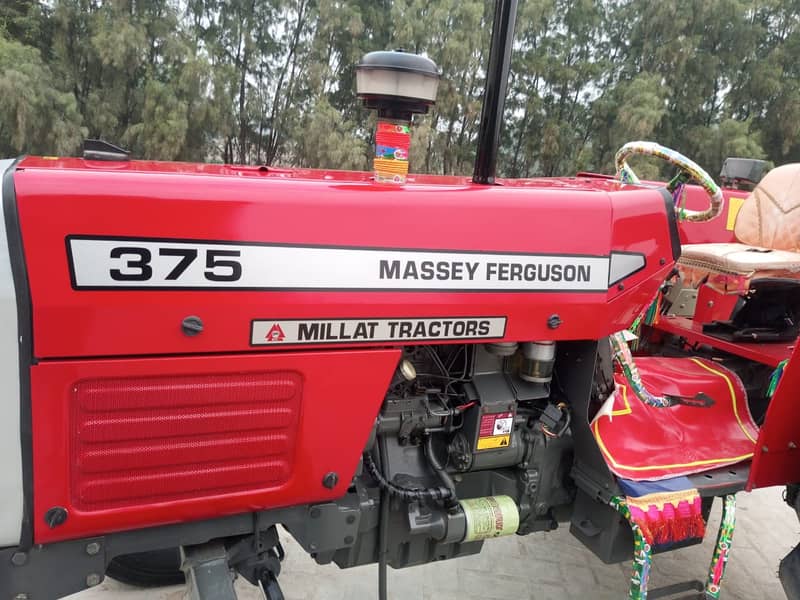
x,y
269,332
105,263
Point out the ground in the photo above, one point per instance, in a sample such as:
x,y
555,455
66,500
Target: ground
x,y
540,566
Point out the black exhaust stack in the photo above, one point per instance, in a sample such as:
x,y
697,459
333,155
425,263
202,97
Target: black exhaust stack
x,y
494,94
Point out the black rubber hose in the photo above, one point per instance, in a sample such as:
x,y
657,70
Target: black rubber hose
x,y
407,494
444,477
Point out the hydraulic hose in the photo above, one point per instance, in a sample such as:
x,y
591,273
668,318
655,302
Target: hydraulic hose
x,y
444,477
442,494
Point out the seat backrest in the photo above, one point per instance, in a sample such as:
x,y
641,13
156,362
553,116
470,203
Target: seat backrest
x,y
770,215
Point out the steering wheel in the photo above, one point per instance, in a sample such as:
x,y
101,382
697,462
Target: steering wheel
x,y
694,171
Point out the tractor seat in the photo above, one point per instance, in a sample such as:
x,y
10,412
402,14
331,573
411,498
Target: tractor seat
x,y
767,230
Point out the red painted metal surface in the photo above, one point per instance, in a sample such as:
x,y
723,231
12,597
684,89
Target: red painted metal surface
x,y
713,306
215,202
767,354
142,440
717,230
108,434
777,458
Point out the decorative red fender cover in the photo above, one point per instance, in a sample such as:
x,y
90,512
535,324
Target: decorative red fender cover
x,y
642,442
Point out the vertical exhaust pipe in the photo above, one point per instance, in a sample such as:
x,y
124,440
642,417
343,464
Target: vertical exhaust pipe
x,y
494,94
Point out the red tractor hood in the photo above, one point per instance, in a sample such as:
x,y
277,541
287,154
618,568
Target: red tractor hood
x,y
144,258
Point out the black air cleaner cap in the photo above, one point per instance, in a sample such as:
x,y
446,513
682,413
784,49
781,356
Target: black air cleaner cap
x,y
397,60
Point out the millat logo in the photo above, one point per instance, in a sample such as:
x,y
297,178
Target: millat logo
x,y
275,333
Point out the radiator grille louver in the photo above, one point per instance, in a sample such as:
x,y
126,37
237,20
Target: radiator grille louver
x,y
155,439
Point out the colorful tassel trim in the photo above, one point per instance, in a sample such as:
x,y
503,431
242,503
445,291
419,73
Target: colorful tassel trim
x,y
776,377
669,517
649,316
649,514
722,549
392,144
653,311
623,356
642,553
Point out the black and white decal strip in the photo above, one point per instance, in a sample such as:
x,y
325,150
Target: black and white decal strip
x,y
112,263
268,332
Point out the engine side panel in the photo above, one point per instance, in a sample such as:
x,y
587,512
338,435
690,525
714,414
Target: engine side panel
x,y
119,259
323,243
123,444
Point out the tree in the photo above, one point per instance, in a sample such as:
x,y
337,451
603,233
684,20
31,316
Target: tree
x,y
633,110
329,142
25,21
34,117
729,138
556,67
256,81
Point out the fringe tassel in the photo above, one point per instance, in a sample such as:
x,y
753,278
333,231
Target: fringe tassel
x,y
653,311
775,378
669,524
649,316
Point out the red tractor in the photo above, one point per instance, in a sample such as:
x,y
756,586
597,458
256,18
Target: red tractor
x,y
394,368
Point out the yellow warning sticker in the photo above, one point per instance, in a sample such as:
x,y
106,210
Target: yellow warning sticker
x,y
734,204
495,441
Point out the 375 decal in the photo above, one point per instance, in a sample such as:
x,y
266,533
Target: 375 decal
x,y
136,263
98,262
104,263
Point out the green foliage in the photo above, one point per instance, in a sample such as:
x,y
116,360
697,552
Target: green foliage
x,y
273,81
25,21
328,142
633,110
728,138
34,117
163,126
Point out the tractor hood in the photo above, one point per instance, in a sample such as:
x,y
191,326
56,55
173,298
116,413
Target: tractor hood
x,y
143,258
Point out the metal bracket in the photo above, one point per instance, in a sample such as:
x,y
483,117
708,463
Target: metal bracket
x,y
602,492
684,302
81,564
341,522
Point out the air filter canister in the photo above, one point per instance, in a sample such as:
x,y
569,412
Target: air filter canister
x,y
398,85
490,517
